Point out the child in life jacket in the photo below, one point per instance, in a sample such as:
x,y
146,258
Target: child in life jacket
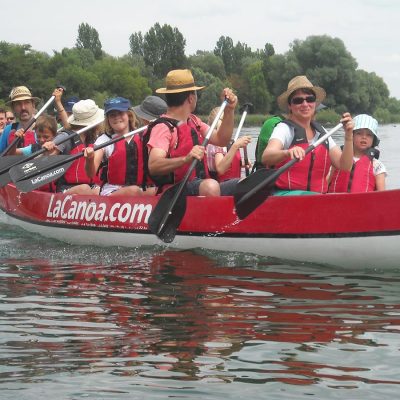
x,y
45,131
225,162
367,173
123,170
85,113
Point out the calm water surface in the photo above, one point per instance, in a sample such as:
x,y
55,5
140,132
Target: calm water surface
x,y
91,323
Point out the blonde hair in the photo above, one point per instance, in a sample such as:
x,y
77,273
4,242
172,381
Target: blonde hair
x,y
133,122
212,116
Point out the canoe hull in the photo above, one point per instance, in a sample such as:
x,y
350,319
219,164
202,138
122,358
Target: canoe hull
x,y
349,230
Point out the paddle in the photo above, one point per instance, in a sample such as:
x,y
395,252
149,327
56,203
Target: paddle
x,y
255,189
30,123
245,108
42,170
170,209
6,163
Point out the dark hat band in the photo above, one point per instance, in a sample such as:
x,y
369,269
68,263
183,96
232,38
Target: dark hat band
x,y
174,87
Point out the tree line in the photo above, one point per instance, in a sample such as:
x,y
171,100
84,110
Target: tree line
x,y
258,76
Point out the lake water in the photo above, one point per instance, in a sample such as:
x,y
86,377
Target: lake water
x,y
91,323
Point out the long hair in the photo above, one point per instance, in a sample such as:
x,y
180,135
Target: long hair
x,y
133,122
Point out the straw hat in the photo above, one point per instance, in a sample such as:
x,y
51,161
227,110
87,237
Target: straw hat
x,y
179,80
300,82
21,93
151,108
86,112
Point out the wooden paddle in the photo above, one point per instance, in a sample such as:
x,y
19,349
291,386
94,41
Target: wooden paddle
x,y
170,209
7,162
255,189
30,123
31,175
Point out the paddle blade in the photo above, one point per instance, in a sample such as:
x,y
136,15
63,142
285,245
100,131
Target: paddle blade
x,y
253,191
168,214
6,163
34,174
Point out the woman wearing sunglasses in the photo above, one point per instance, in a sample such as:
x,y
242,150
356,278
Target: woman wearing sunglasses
x,y
293,135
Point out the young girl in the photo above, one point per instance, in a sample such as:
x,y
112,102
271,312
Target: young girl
x,y
123,171
75,180
367,173
225,162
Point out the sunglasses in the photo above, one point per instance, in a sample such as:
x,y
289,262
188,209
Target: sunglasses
x,y
299,100
10,118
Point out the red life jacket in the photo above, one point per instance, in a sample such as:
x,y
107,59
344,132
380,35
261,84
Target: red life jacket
x,y
76,173
361,178
29,136
188,136
235,169
48,187
125,165
310,173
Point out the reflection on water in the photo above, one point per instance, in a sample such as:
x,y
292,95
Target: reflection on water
x,y
190,324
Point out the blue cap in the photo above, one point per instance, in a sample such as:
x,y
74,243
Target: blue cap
x,y
116,104
69,103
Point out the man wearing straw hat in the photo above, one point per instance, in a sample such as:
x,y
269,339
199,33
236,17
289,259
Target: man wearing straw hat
x,y
23,106
175,140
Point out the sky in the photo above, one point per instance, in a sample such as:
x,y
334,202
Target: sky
x,y
370,29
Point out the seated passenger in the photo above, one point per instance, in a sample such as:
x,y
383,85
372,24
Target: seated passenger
x,y
292,136
176,138
75,181
45,132
367,173
150,109
225,162
123,172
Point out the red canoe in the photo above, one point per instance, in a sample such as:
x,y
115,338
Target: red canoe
x,y
349,230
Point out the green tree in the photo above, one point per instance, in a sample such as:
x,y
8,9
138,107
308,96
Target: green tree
x,y
79,81
224,49
327,63
209,97
208,62
118,78
163,49
21,65
258,93
136,44
88,38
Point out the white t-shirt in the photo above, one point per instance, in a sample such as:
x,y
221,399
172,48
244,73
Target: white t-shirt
x,y
285,134
108,150
379,167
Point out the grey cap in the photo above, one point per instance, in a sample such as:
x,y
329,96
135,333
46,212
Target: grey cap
x,y
151,108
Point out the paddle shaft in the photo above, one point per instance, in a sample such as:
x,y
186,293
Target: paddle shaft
x,y
81,154
30,123
239,128
184,181
274,176
246,161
